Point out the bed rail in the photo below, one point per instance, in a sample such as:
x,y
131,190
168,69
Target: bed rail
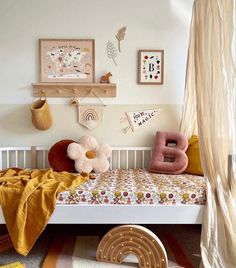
x,y
122,157
37,157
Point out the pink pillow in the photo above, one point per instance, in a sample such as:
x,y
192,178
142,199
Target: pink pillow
x,y
168,154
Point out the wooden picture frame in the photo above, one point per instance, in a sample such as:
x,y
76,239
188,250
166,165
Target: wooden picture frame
x,y
67,60
151,67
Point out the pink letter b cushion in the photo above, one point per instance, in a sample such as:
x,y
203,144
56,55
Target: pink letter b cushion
x,y
167,158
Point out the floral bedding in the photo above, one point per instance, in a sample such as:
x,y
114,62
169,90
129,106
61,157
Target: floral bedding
x,y
137,187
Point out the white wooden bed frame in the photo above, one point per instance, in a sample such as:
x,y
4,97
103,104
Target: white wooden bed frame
x,y
122,157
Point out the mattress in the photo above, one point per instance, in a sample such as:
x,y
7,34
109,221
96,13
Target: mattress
x,y
137,187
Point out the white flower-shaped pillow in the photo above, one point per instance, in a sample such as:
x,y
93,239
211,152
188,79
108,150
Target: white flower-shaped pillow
x,y
89,155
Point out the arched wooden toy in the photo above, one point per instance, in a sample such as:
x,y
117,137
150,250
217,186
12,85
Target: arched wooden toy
x,y
132,239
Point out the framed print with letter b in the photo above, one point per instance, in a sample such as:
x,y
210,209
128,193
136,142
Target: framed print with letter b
x,y
151,67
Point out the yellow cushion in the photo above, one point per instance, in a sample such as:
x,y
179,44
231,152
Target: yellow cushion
x,y
194,162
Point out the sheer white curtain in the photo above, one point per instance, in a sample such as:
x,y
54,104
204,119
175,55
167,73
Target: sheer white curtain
x,y
210,104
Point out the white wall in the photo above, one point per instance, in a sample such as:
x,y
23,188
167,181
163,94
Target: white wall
x,y
17,130
151,24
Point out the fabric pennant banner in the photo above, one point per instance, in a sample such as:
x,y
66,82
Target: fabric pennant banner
x,y
90,115
139,118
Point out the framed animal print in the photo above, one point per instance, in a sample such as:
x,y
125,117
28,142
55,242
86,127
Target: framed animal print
x,y
67,60
151,67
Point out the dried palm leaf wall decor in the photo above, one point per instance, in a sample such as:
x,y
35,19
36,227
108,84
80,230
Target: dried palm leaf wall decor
x,y
120,36
111,48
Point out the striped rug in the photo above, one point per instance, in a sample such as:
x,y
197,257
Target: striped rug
x,y
80,252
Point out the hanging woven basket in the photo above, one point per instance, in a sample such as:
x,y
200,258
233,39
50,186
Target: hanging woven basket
x,y
41,115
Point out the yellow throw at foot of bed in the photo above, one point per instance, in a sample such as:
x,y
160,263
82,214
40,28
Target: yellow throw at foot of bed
x,y
28,198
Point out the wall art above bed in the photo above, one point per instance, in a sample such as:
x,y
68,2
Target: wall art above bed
x,y
138,118
151,67
67,60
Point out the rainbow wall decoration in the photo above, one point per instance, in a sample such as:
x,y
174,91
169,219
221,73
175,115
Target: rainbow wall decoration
x,y
90,116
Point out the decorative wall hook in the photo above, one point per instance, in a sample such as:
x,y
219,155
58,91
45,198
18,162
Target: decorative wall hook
x,y
43,93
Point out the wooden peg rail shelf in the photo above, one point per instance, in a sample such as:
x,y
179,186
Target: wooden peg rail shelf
x,y
74,90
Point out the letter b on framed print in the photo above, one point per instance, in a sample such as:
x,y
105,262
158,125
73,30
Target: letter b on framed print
x,y
151,67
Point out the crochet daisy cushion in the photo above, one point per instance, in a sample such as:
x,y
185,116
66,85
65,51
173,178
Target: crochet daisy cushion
x,y
88,155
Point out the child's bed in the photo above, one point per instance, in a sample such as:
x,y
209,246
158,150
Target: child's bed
x,y
126,194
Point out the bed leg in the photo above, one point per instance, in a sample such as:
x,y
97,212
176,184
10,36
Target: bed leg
x,y
132,239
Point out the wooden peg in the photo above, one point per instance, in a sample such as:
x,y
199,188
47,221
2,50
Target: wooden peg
x,y
43,93
74,101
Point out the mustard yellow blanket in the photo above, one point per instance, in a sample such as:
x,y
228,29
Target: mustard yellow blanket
x,y
28,198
